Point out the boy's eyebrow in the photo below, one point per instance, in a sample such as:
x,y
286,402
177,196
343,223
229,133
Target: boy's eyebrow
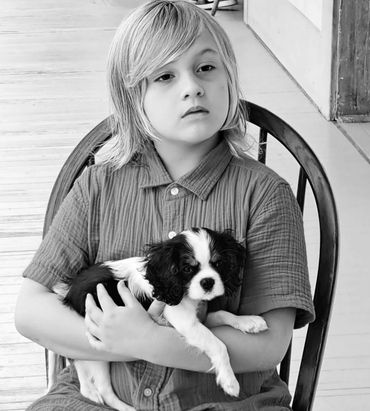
x,y
207,50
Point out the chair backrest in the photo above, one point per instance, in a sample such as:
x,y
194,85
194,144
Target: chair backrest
x,y
311,171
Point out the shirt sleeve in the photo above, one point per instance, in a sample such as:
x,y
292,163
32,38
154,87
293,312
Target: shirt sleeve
x,y
64,250
277,272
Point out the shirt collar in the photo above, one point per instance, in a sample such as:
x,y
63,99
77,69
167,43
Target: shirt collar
x,y
199,181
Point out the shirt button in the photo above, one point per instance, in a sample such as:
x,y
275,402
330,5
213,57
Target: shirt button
x,y
148,392
171,234
174,191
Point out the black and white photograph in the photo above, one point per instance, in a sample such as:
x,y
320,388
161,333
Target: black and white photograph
x,y
184,205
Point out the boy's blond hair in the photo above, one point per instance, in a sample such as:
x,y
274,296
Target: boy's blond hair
x,y
152,36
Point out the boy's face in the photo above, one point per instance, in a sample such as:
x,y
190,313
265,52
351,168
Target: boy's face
x,y
187,100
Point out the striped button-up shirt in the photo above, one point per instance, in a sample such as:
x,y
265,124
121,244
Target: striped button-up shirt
x,y
114,214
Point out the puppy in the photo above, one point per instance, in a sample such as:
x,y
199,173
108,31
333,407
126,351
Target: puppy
x,y
194,267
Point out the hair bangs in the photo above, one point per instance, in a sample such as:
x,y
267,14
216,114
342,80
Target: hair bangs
x,y
164,35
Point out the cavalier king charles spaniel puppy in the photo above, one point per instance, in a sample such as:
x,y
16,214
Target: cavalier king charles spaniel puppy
x,y
193,267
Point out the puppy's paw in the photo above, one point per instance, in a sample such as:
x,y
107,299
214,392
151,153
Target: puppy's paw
x,y
228,383
250,324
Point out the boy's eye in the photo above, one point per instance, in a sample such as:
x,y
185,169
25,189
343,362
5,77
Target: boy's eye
x,y
164,77
206,67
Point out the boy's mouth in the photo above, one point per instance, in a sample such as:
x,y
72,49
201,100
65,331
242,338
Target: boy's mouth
x,y
195,110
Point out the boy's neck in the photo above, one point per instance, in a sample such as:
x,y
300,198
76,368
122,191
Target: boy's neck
x,y
179,159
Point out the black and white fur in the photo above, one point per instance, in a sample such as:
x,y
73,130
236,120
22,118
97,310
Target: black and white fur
x,y
196,265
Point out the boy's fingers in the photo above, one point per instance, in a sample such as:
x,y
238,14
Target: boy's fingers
x,y
128,299
91,309
156,308
91,327
94,342
105,300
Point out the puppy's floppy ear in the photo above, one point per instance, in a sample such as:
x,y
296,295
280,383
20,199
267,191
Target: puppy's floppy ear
x,y
233,258
162,272
237,260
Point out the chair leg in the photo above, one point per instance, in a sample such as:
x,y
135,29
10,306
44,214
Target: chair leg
x,y
225,3
54,364
214,7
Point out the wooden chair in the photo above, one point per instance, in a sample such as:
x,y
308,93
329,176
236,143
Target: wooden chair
x,y
310,170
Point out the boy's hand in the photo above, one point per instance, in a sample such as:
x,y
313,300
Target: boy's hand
x,y
117,329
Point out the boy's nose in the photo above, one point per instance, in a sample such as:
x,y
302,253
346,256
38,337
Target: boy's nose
x,y
192,88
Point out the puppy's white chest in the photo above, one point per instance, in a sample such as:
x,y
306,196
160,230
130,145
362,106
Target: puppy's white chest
x,y
182,316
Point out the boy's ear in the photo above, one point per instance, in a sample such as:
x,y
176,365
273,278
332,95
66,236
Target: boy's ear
x,y
162,272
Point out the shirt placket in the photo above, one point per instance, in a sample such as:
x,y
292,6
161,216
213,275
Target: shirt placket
x,y
147,394
172,216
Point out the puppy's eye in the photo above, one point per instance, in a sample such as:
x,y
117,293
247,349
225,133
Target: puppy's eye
x,y
188,269
217,264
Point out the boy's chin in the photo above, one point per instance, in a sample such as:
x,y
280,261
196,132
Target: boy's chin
x,y
196,137
202,137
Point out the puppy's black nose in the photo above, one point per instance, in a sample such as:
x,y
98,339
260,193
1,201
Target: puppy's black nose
x,y
207,283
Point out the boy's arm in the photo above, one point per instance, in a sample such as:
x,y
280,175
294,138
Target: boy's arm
x,y
248,352
130,330
41,317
